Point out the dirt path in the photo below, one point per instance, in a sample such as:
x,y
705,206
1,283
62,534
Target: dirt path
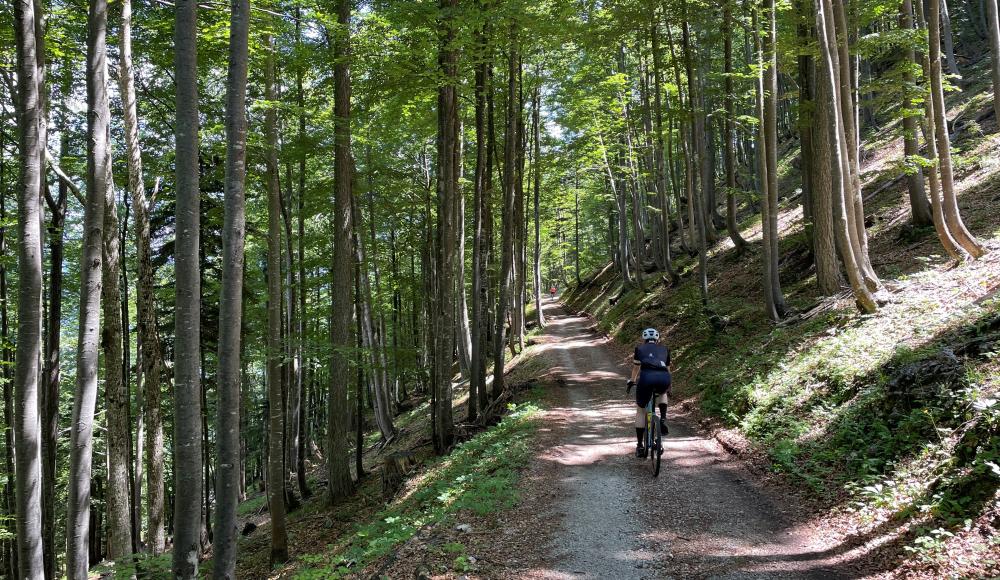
x,y
704,517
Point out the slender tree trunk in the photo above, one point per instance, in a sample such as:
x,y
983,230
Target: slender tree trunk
x,y
535,121
507,237
150,357
770,261
447,184
363,305
480,253
993,22
338,466
950,202
119,510
227,485
49,395
920,208
729,134
99,187
30,559
836,136
952,247
187,311
949,44
275,351
304,439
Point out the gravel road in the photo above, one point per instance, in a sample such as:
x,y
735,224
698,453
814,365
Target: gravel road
x,y
705,516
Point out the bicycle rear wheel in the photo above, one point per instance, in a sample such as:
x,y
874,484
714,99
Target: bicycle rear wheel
x,y
654,445
657,449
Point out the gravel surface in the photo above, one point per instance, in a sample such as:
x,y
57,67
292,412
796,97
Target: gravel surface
x,y
599,512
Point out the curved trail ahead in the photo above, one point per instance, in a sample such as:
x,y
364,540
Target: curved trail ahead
x,y
704,517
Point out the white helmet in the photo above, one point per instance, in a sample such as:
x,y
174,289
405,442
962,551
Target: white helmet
x,y
650,334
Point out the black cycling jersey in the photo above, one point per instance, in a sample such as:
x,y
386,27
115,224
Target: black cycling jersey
x,y
652,356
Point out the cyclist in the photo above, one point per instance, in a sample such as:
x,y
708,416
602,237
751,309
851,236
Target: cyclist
x,y
651,377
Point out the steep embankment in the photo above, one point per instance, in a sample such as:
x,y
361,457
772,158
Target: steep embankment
x,y
891,421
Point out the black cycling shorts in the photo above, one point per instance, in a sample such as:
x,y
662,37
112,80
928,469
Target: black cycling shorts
x,y
650,382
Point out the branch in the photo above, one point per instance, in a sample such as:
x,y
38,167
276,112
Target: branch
x,y
65,178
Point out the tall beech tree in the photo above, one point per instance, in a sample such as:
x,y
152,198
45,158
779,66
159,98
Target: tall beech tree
x,y
187,310
227,486
99,188
338,464
29,295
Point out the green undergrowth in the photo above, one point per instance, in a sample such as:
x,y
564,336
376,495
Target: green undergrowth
x,y
480,476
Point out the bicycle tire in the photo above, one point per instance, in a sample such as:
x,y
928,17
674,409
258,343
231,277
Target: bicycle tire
x,y
657,449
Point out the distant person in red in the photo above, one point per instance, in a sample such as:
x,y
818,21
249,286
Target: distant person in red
x,y
552,291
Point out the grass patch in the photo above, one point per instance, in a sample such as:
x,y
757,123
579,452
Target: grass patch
x,y
479,476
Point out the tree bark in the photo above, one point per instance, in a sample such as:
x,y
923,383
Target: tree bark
x,y
30,558
275,351
993,21
447,188
227,484
950,202
363,306
119,510
150,357
824,245
49,395
507,236
537,166
952,247
949,44
187,311
99,187
836,136
729,133
480,253
920,208
338,466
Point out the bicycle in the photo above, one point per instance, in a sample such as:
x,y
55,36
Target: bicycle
x,y
654,438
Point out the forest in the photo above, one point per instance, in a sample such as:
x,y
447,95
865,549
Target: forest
x,y
275,276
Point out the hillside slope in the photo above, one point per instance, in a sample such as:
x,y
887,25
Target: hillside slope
x,y
891,420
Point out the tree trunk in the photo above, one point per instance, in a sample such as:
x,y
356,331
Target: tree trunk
x,y
227,485
49,395
537,158
767,135
363,305
150,358
187,311
275,351
507,237
949,44
729,134
338,466
951,246
920,208
836,136
993,21
29,297
99,187
950,202
303,416
824,245
480,253
116,394
447,184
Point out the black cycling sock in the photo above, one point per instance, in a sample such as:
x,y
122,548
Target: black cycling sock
x,y
640,433
663,411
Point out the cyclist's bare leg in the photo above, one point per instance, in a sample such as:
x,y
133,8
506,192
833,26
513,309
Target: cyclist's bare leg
x,y
640,424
